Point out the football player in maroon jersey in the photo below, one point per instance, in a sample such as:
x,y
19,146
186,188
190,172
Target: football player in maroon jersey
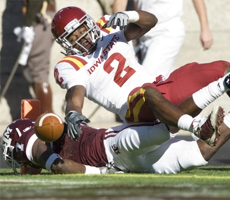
x,y
136,148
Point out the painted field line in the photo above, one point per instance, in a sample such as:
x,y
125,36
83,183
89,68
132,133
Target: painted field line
x,y
60,182
176,176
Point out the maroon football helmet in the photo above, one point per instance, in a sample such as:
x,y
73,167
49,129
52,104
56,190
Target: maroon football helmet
x,y
66,21
10,137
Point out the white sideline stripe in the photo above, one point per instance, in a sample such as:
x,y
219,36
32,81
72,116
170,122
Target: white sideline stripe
x,y
60,182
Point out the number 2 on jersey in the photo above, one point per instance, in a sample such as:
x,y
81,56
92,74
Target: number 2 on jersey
x,y
118,78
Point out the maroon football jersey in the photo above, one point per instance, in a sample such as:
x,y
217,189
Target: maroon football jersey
x,y
23,148
88,149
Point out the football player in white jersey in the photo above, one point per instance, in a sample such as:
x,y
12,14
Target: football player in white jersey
x,y
99,65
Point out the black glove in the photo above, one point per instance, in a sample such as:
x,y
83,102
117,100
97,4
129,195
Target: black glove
x,y
73,120
118,19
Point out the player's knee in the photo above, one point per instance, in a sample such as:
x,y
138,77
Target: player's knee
x,y
226,65
227,69
152,95
191,156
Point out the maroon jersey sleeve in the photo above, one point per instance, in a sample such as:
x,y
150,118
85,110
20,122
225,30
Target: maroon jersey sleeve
x,y
88,149
24,149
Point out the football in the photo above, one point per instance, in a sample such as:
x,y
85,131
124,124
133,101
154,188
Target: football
x,y
49,127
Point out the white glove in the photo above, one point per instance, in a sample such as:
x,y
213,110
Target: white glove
x,y
121,19
27,33
118,19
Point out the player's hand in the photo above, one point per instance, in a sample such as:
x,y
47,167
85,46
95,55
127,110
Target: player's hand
x,y
206,39
73,120
118,19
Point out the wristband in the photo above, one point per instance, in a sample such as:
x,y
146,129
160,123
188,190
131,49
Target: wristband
x,y
92,170
133,15
50,160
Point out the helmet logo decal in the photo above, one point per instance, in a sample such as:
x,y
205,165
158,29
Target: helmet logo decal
x,y
6,134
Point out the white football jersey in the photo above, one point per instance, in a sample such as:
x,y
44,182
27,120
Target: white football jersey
x,y
108,74
164,10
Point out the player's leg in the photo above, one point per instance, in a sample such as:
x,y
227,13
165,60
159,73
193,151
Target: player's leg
x,y
181,85
188,88
204,128
130,142
175,156
43,92
167,113
188,79
164,110
39,65
173,116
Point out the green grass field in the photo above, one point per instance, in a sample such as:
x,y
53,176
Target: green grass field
x,y
200,183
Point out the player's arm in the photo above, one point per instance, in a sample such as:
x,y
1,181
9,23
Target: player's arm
x,y
134,23
75,99
74,104
205,34
144,23
49,160
119,5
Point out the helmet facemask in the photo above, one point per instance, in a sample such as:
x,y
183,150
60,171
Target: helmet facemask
x,y
93,33
8,154
10,142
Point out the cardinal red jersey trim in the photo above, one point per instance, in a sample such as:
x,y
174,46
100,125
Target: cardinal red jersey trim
x,y
76,62
101,22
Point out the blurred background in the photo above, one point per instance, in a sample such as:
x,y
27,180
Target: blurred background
x,y
219,21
